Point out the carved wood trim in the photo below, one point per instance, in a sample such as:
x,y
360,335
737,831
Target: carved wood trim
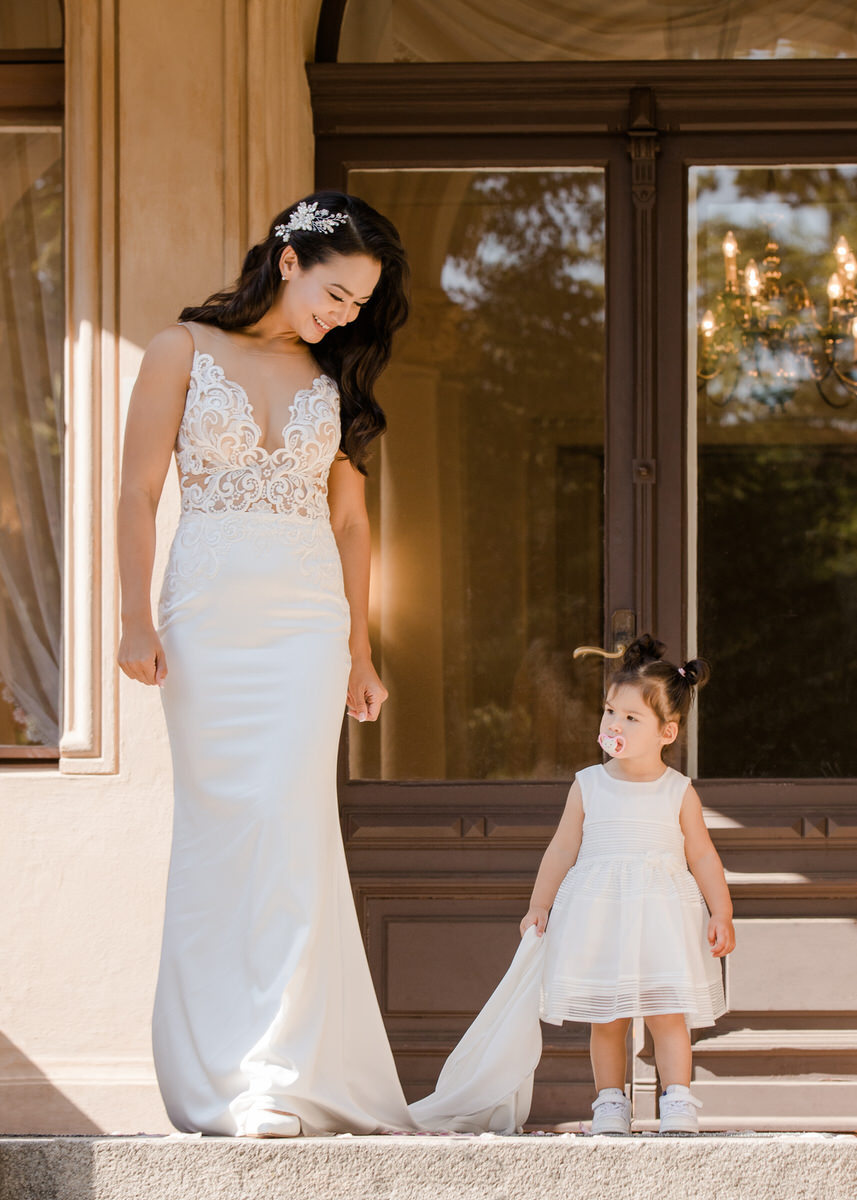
x,y
643,148
461,98
437,822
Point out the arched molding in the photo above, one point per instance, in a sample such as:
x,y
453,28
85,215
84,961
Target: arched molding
x,y
329,28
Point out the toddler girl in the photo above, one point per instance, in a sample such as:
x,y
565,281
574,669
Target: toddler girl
x,y
617,925
629,933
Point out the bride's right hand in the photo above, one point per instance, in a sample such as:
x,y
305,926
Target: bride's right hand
x,y
141,655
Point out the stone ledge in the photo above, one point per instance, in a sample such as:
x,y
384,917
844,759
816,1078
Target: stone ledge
x,y
774,1167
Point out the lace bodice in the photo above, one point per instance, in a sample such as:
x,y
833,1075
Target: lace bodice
x,y
224,468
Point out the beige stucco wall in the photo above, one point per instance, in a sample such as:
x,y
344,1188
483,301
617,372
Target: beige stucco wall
x,y
188,126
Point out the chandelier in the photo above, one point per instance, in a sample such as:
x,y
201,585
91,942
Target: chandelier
x,y
765,336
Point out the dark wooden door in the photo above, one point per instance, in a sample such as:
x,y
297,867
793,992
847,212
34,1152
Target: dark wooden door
x,y
508,532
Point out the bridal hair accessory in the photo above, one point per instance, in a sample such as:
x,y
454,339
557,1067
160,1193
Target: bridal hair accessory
x,y
311,218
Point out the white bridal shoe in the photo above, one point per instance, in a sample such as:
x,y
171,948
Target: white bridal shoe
x,y
265,1123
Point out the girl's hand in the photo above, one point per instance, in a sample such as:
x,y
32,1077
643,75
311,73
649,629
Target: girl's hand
x,y
141,655
536,916
721,936
366,692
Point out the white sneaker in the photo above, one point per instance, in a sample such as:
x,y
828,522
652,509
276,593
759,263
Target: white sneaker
x,y
678,1110
611,1112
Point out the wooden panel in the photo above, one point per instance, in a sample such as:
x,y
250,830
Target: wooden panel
x,y
444,967
33,87
794,966
437,948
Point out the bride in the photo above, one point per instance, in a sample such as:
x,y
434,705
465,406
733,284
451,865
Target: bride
x,y
266,1022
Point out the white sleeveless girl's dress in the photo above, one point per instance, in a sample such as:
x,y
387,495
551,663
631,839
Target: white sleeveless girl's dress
x,y
627,935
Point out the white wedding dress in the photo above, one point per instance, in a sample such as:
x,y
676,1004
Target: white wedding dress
x,y
264,997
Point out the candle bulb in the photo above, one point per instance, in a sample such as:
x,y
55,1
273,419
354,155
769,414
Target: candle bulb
x,y
842,249
834,292
707,324
730,259
752,279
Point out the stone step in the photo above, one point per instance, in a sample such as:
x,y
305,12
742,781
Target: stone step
x,y
561,1167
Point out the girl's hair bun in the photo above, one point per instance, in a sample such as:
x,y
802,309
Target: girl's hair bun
x,y
697,672
667,689
641,651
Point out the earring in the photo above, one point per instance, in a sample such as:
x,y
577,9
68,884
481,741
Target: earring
x,y
283,278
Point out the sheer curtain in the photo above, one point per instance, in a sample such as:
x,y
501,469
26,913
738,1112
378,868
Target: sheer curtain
x,y
31,341
564,30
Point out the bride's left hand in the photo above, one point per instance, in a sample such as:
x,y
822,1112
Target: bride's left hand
x,y
366,692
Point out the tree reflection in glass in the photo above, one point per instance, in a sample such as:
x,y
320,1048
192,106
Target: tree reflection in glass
x,y
489,501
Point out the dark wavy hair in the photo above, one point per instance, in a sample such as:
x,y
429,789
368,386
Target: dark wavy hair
x,y
355,354
667,689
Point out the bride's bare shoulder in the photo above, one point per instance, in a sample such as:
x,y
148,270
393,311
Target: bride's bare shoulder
x,y
169,355
166,366
176,343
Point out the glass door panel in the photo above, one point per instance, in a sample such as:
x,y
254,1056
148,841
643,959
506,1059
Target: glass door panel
x,y
773,335
487,492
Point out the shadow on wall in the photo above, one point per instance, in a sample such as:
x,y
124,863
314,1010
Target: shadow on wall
x,y
30,1103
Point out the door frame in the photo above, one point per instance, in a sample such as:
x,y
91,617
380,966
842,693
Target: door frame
x,y
476,845
620,388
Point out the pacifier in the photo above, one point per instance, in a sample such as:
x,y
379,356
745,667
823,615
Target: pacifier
x,y
612,744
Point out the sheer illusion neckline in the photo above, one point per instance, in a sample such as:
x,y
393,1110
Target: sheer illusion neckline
x,y
203,360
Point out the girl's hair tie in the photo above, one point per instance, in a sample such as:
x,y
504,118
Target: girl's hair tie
x,y
682,672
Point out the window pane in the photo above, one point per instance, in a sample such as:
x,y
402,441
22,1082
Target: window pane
x,y
588,30
777,467
486,494
31,349
31,24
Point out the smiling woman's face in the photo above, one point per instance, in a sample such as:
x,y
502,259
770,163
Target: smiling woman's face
x,y
327,294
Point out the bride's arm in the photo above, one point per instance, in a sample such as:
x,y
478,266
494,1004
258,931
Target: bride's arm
x,y
154,416
350,523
